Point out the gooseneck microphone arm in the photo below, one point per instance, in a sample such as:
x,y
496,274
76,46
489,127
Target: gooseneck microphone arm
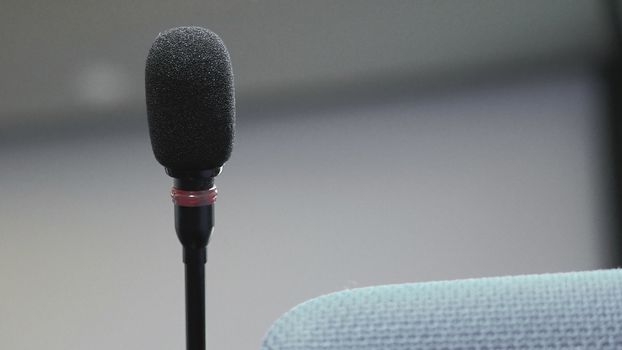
x,y
194,195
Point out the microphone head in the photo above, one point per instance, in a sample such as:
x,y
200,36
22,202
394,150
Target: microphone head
x,y
190,99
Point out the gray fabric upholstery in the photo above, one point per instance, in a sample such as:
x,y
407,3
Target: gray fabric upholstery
x,y
579,310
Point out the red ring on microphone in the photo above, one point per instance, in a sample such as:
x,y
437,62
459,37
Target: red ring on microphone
x,y
194,198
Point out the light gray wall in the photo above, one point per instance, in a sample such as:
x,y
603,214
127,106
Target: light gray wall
x,y
61,56
499,179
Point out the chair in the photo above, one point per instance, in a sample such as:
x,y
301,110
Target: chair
x,y
578,310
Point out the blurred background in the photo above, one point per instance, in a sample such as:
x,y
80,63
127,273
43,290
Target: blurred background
x,y
377,142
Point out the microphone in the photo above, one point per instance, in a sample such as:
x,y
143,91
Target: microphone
x,y
191,116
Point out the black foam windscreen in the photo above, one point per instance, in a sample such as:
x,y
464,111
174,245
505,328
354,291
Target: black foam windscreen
x,y
190,99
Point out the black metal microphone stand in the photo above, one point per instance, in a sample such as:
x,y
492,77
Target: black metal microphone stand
x,y
194,195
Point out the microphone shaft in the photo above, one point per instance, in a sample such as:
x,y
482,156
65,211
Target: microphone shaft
x,y
194,226
195,298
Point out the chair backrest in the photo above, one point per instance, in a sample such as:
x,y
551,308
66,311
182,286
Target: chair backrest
x,y
578,310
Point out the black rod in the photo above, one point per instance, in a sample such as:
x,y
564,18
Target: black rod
x,y
195,298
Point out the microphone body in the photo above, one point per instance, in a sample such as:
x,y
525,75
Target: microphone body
x,y
194,223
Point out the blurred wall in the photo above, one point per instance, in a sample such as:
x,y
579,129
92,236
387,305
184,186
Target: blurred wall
x,y
491,180
378,142
67,59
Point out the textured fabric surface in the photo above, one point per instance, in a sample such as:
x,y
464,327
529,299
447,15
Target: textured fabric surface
x,y
579,310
